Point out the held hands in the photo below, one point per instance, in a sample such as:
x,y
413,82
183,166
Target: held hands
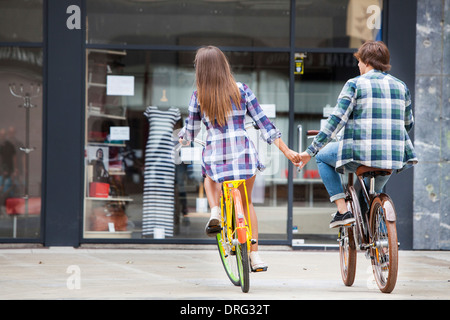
x,y
298,159
293,156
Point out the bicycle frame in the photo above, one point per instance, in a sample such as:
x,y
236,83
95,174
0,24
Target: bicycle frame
x,y
231,195
364,233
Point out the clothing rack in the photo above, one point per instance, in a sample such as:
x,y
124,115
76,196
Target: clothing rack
x,y
34,92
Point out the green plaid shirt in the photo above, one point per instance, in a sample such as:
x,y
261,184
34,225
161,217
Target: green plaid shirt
x,y
375,111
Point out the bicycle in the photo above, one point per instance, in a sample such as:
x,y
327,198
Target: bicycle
x,y
234,235
374,230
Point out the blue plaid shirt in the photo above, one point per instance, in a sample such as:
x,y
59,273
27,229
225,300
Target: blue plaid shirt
x,y
229,153
375,111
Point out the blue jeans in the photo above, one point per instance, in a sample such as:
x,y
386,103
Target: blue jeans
x,y
326,162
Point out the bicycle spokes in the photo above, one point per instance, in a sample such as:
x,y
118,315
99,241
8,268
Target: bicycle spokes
x,y
381,244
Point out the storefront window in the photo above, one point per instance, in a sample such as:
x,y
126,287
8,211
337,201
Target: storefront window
x,y
20,142
21,21
189,23
337,23
317,88
135,187
136,99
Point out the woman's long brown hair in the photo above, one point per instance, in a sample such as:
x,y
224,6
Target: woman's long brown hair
x,y
216,87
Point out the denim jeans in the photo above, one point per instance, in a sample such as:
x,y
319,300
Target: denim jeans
x,y
326,162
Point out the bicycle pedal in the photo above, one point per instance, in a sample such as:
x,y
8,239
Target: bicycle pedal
x,y
259,269
213,230
349,224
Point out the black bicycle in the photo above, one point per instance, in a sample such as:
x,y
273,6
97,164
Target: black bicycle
x,y
374,230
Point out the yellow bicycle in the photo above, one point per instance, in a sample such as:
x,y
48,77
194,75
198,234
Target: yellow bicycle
x,y
234,237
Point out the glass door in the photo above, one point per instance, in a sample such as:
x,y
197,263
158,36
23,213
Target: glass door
x,y
317,87
21,111
267,74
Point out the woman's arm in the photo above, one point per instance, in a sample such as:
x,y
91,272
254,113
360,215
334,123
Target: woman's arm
x,y
290,154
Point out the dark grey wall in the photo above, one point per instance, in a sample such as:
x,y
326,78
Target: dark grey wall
x,y
401,41
64,98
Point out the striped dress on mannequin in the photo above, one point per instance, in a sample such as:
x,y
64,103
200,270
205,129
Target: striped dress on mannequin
x,y
159,173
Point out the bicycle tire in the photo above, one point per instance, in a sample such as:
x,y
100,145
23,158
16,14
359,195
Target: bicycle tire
x,y
384,252
347,255
244,266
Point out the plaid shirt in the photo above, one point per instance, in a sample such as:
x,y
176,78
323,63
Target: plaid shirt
x,y
229,154
375,111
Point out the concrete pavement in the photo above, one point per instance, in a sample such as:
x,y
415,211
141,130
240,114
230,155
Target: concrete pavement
x,y
195,273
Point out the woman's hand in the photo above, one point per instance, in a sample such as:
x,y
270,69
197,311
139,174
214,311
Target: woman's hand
x,y
293,156
288,153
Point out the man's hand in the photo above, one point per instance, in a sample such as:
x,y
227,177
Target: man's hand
x,y
304,159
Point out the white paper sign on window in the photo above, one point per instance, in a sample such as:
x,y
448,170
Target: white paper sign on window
x,y
191,154
119,133
120,85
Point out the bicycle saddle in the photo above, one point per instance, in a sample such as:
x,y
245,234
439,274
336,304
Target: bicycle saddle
x,y
373,172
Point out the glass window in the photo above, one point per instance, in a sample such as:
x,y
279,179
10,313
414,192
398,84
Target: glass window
x,y
337,23
136,100
189,23
21,21
316,93
20,142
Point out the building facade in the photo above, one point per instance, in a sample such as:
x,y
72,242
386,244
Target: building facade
x,y
94,92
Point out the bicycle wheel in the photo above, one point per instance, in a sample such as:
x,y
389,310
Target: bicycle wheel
x,y
234,255
347,241
385,245
347,255
228,258
241,241
243,266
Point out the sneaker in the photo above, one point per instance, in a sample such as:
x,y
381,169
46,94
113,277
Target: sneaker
x,y
213,225
256,263
341,219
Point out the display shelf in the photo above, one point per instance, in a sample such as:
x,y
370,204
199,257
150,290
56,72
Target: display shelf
x,y
109,199
102,112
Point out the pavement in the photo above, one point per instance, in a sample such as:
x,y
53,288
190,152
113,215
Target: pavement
x,y
194,272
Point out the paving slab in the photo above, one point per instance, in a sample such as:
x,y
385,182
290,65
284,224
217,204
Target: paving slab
x,y
196,273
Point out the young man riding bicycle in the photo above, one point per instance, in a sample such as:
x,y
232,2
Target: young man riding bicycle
x,y
375,112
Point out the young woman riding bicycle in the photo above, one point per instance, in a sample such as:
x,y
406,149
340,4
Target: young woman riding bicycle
x,y
221,105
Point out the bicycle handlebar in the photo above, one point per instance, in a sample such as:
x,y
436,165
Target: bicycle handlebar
x,y
312,132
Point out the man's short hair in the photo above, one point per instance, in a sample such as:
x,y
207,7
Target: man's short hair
x,y
376,54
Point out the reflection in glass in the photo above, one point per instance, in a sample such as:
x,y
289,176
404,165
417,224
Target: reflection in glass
x,y
316,93
337,23
164,80
20,142
21,21
189,23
